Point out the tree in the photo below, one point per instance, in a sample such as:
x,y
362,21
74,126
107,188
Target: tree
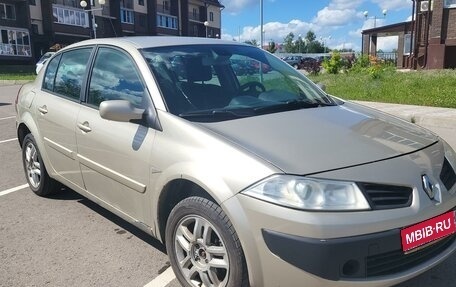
x,y
310,36
272,48
252,42
288,43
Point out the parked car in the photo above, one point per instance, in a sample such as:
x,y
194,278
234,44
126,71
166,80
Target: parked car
x,y
310,64
293,61
42,61
260,180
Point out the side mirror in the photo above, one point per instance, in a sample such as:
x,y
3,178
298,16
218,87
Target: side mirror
x,y
120,111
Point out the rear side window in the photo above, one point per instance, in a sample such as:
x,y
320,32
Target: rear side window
x,y
114,77
70,73
49,77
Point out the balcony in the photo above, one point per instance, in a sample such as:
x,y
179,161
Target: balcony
x,y
70,16
167,21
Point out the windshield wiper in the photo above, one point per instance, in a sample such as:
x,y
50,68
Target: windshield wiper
x,y
216,115
291,105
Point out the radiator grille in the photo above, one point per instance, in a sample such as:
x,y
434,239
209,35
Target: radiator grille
x,y
381,196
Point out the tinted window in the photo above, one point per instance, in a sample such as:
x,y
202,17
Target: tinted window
x,y
70,73
49,77
114,77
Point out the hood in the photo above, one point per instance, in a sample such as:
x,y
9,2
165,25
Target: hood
x,y
314,140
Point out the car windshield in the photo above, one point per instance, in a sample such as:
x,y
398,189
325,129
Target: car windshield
x,y
210,83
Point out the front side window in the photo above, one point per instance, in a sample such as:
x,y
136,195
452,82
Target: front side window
x,y
71,71
114,77
222,82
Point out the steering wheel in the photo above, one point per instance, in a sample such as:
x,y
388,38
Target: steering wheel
x,y
251,88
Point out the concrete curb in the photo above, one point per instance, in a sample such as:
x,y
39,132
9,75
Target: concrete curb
x,y
423,116
13,82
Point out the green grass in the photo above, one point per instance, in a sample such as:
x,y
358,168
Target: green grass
x,y
425,88
19,76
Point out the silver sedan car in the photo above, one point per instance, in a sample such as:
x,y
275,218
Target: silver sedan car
x,y
249,179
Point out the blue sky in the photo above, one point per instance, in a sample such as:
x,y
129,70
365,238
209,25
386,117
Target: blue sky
x,y
337,22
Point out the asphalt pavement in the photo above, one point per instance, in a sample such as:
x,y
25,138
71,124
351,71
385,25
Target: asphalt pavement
x,y
67,240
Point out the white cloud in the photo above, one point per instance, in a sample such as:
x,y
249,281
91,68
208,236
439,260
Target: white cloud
x,y
275,31
409,18
330,17
355,33
345,4
347,45
393,4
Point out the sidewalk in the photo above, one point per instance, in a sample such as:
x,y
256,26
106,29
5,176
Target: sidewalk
x,y
441,121
13,82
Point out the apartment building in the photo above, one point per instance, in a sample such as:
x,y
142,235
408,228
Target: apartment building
x,y
29,28
428,41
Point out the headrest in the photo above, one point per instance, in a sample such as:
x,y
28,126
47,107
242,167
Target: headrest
x,y
196,71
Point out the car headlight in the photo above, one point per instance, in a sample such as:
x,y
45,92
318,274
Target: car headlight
x,y
309,193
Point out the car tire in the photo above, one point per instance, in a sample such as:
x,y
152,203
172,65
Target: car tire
x,y
203,247
35,171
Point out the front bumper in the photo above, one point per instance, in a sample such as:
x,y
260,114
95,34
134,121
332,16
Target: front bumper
x,y
358,257
285,247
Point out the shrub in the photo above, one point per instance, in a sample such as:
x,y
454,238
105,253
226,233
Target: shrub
x,y
334,64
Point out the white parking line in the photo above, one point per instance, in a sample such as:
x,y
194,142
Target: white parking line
x,y
7,118
163,279
10,140
5,192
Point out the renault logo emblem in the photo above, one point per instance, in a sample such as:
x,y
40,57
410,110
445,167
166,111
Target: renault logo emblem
x,y
428,186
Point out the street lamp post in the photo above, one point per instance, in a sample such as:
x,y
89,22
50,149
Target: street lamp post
x,y
83,4
261,24
323,41
366,15
300,40
206,24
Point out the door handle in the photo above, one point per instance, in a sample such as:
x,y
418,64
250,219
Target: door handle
x,y
84,127
43,109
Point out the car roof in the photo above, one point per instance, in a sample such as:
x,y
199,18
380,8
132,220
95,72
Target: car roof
x,y
140,42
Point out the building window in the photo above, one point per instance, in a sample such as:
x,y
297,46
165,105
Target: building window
x,y
195,30
142,20
128,4
69,3
165,6
32,2
166,21
7,11
127,16
14,42
35,29
407,43
195,14
70,16
450,3
141,2
211,16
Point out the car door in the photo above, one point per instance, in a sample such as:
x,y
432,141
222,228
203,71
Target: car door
x,y
113,155
58,104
